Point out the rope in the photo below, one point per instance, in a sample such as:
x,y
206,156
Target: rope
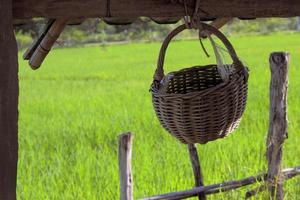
x,y
187,18
194,22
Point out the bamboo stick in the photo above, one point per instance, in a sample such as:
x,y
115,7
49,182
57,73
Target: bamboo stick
x,y
45,45
28,53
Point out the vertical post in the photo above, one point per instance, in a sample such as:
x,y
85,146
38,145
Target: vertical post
x,y
278,121
125,152
9,90
196,169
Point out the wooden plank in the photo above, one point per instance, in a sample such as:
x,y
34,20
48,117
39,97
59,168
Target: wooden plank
x,y
153,8
223,187
9,91
125,153
278,121
196,169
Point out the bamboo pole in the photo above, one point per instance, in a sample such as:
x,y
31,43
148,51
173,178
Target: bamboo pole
x,y
125,153
278,121
196,169
45,44
28,53
224,186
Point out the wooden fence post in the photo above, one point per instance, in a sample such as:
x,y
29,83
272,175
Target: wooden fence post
x,y
9,91
125,152
196,169
278,121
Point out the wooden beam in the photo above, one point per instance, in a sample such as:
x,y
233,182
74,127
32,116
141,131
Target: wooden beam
x,y
278,121
153,8
126,180
196,169
219,186
223,187
9,90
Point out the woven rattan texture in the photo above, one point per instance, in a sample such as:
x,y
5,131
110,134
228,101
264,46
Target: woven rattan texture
x,y
197,107
195,104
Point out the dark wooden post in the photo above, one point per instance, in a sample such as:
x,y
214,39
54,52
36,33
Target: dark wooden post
x,y
125,152
196,169
8,103
278,121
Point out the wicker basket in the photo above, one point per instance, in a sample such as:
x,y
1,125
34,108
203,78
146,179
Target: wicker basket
x,y
195,104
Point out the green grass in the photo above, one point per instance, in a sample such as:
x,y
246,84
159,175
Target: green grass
x,y
74,107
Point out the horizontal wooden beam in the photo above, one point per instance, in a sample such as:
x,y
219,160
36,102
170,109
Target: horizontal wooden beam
x,y
153,8
223,187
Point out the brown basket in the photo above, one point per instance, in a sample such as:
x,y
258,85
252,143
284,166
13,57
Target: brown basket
x,y
194,104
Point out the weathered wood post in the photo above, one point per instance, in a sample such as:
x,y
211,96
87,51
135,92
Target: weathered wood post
x,y
9,90
196,169
125,152
278,121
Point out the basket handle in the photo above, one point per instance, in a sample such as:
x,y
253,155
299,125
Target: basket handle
x,y
159,73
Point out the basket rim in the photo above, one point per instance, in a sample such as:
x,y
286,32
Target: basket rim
x,y
237,78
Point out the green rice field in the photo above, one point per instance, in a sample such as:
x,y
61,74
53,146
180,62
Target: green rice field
x,y
74,107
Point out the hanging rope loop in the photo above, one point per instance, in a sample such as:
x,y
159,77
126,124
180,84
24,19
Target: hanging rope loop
x,y
159,73
193,21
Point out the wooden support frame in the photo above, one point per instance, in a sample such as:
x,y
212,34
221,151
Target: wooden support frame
x,y
274,178
125,154
224,186
278,121
9,91
196,169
